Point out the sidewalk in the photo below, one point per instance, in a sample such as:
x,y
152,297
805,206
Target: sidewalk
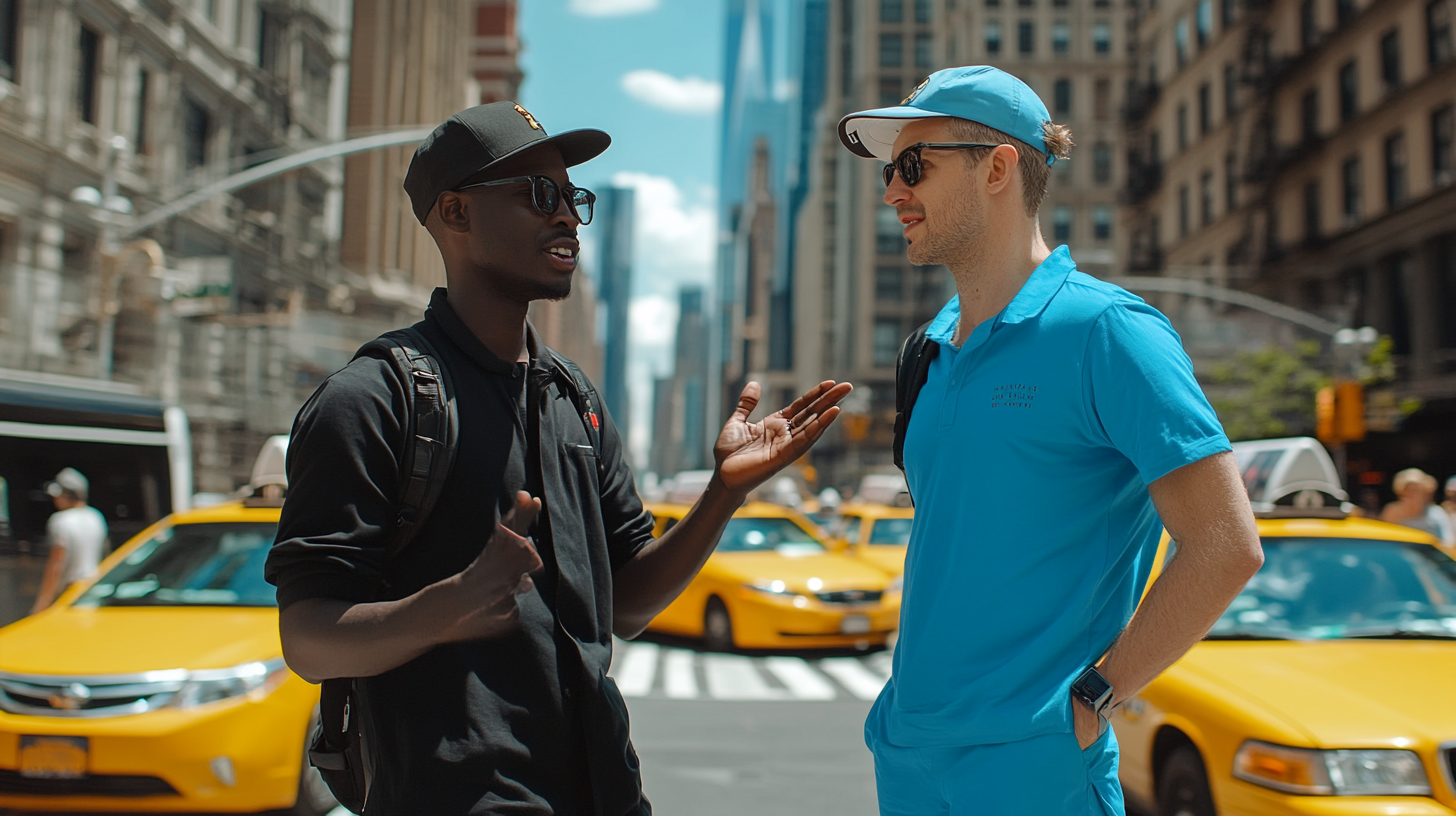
x,y
19,581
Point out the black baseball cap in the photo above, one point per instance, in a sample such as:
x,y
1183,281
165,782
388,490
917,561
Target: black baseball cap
x,y
476,138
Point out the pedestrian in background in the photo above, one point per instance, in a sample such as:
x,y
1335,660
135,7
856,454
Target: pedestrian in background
x,y
76,533
1414,505
1015,641
480,653
1449,505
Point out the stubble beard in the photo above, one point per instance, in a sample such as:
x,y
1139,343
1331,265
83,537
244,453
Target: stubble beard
x,y
956,239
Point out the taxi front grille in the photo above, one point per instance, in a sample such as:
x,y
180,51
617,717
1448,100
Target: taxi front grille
x,y
101,696
850,596
94,785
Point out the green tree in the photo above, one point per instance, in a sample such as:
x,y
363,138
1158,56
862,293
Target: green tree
x,y
1269,392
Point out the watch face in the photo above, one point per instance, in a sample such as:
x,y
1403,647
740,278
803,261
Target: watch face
x,y
1092,686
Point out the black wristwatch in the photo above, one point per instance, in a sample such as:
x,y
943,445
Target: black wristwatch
x,y
1093,690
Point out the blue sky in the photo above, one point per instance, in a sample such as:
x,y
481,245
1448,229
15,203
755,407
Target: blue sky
x,y
648,73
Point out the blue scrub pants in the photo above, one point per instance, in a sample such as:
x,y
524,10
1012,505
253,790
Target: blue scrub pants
x,y
1043,776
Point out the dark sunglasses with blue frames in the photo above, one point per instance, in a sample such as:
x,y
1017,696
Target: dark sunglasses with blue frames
x,y
546,195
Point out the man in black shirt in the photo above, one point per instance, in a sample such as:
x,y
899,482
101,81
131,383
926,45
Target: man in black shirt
x,y
482,650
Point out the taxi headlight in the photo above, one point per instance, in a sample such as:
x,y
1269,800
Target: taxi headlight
x,y
897,584
776,588
214,685
1331,773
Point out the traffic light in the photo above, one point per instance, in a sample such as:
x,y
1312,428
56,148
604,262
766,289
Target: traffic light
x,y
1339,412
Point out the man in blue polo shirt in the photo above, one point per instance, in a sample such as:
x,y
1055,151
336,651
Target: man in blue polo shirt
x,y
1017,633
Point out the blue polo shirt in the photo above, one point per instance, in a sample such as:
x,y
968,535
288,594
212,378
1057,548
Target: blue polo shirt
x,y
1028,454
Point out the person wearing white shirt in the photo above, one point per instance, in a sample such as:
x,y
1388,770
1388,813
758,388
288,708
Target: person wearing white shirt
x,y
1414,506
77,534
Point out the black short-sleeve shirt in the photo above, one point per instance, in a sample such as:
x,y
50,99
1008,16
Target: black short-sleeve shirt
x,y
527,723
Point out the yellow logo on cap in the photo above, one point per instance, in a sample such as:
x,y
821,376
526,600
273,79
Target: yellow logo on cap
x,y
915,92
529,118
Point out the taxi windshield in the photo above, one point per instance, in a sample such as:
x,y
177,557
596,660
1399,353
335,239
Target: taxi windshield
x,y
1319,588
192,565
891,531
767,535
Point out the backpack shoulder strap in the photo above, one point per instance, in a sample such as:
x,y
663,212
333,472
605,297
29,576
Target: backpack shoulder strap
x,y
432,433
589,402
911,369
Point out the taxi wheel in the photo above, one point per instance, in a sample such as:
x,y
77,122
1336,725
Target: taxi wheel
x,y
1184,791
717,626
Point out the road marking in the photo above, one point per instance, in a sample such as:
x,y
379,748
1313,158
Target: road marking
x,y
800,678
854,676
733,677
638,669
678,678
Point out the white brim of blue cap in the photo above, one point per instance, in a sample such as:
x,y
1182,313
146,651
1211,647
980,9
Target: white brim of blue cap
x,y
871,134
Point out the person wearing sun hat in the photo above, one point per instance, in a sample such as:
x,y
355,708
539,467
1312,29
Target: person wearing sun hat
x,y
1017,636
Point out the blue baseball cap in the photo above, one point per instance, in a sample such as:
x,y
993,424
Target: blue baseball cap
x,y
979,93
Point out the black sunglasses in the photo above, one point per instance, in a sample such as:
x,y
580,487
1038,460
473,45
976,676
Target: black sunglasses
x,y
546,195
908,162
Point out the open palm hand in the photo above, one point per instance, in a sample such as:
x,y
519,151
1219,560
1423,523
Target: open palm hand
x,y
749,453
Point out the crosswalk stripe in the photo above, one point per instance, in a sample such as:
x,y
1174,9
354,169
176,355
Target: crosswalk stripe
x,y
800,678
638,669
852,674
733,677
678,678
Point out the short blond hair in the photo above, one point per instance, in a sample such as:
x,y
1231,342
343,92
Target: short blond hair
x,y
1035,172
1411,476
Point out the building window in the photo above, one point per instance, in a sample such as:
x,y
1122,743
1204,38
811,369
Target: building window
x,y
1205,108
1155,146
1349,92
889,232
1308,24
1230,90
1102,38
847,80
1311,211
9,36
1180,41
88,74
1102,99
1438,32
1061,38
924,51
1184,216
270,41
993,3
1062,97
1205,197
139,134
923,12
196,133
993,38
1026,37
1226,13
1344,11
890,283
1390,59
1231,182
1026,3
1182,127
1102,222
892,50
1204,22
1309,115
1443,145
892,91
892,11
1397,186
1350,176
1102,163
1062,223
887,342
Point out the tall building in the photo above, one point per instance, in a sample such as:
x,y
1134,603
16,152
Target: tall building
x,y
613,226
1303,150
679,401
161,97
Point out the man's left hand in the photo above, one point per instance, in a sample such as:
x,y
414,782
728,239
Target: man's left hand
x,y
1084,724
748,454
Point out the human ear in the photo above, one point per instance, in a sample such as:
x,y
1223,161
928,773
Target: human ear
x,y
454,211
1000,165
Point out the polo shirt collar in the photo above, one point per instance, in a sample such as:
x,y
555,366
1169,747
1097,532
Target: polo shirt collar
x,y
444,316
1045,281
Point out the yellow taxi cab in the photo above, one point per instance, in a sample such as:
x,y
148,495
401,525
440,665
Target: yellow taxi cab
x,y
772,584
158,685
1326,688
877,534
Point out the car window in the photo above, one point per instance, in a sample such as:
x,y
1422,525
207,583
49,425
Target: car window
x,y
1312,588
192,565
767,535
891,531
847,529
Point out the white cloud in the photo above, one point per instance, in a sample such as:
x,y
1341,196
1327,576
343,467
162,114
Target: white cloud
x,y
669,230
693,95
611,8
654,320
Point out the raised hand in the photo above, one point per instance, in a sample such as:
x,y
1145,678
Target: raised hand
x,y
748,454
486,591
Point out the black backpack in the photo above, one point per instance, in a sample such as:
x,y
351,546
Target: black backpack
x,y
911,369
336,748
